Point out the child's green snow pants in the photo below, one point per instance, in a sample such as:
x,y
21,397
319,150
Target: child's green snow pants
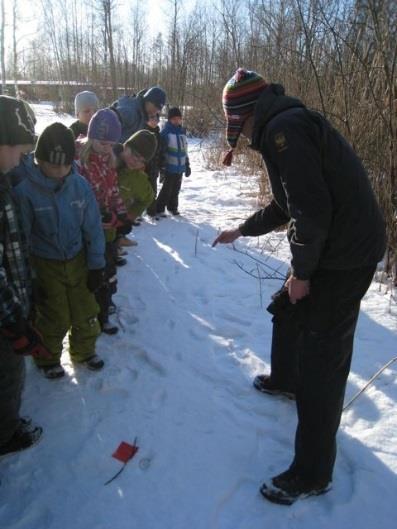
x,y
65,305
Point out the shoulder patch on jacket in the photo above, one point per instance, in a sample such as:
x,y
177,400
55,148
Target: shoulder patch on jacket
x,y
280,141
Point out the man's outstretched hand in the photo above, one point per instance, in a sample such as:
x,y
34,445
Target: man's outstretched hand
x,y
227,236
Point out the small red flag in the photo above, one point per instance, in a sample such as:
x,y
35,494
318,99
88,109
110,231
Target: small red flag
x,y
125,452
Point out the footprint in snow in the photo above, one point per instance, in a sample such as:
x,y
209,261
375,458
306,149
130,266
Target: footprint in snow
x,y
108,386
144,357
228,512
129,318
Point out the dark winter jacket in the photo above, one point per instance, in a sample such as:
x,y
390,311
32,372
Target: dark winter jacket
x,y
319,186
61,218
79,129
132,115
15,276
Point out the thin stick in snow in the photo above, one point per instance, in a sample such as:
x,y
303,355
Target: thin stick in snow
x,y
260,285
195,243
374,377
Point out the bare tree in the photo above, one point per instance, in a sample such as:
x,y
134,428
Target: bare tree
x,y
2,51
107,8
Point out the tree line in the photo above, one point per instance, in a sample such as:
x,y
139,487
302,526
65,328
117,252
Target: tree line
x,y
338,56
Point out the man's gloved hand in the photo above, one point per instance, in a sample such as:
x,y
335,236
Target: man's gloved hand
x,y
25,339
95,279
280,305
188,171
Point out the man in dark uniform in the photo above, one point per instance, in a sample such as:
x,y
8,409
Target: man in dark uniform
x,y
337,236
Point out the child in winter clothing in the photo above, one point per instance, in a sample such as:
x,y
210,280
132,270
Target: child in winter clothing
x,y
17,336
85,105
176,160
156,163
62,221
98,164
134,184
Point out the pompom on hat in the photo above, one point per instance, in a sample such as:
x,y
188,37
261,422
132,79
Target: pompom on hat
x,y
239,98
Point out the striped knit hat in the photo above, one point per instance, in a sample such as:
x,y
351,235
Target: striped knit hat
x,y
239,98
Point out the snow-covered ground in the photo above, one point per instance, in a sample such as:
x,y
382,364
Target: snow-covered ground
x,y
194,332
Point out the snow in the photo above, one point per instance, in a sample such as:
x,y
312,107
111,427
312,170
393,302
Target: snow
x,y
178,376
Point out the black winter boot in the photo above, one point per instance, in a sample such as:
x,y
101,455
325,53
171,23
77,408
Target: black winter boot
x,y
23,438
264,384
288,487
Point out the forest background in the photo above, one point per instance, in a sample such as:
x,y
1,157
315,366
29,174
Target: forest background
x,y
338,56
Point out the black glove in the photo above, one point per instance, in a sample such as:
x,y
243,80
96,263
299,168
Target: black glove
x,y
282,308
95,279
25,339
188,171
280,305
125,224
106,216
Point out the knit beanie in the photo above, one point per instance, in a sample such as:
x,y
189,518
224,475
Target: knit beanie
x,y
155,95
143,143
85,99
104,126
174,112
16,125
56,145
239,98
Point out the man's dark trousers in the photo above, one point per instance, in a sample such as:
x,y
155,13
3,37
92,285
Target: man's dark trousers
x,y
311,354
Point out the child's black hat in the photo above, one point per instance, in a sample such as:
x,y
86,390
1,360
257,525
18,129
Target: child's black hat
x,y
16,124
174,112
56,145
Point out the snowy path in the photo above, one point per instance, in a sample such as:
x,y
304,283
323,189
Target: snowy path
x,y
178,376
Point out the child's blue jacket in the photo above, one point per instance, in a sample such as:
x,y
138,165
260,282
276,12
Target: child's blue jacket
x,y
174,138
60,218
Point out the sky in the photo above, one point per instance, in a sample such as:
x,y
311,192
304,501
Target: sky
x,y
27,21
156,15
